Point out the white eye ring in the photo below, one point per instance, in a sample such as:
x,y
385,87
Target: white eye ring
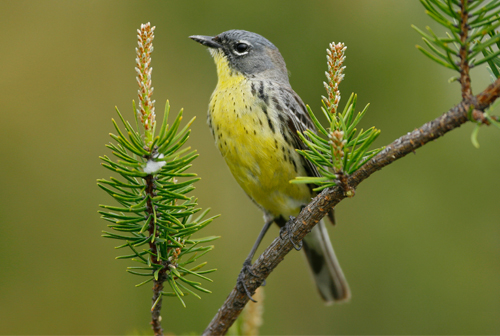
x,y
241,48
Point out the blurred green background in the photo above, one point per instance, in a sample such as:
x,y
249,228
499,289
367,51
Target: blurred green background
x,y
419,244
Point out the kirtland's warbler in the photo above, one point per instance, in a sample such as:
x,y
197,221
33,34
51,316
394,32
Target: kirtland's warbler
x,y
254,116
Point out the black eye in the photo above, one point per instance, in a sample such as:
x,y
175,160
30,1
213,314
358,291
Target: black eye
x,y
241,47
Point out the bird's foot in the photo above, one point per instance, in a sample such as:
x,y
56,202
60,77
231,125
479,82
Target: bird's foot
x,y
240,282
287,228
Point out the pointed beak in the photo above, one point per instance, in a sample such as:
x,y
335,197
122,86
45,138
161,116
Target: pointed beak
x,y
208,41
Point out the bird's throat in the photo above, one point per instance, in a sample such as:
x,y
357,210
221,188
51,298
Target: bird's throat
x,y
227,76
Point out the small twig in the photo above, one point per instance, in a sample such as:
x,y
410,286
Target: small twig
x,y
156,304
464,52
326,200
157,284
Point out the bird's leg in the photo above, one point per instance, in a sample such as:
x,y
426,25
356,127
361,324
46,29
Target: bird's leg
x,y
288,228
247,264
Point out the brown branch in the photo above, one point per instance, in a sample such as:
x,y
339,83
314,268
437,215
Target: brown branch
x,y
156,310
326,200
157,284
464,51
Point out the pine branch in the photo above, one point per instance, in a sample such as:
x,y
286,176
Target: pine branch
x,y
464,51
155,216
330,197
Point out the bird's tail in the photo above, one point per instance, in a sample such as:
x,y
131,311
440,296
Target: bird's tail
x,y
325,268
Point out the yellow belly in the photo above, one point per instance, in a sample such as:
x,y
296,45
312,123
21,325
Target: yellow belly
x,y
258,156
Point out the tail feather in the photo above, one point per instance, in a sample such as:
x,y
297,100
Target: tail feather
x,y
325,268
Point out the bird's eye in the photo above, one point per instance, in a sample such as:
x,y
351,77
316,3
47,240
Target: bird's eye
x,y
241,48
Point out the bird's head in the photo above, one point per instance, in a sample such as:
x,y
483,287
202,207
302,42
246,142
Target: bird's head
x,y
240,52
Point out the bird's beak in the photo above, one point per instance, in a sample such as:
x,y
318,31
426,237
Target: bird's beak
x,y
208,41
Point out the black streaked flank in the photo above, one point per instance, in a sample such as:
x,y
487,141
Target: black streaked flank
x,y
261,93
264,109
286,139
300,115
271,126
277,105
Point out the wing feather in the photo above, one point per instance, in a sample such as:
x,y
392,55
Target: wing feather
x,y
298,119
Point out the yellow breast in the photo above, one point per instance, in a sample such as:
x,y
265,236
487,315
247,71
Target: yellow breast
x,y
254,148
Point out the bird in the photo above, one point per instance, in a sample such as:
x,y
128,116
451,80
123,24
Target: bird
x,y
254,116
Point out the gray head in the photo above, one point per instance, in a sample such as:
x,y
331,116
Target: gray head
x,y
247,53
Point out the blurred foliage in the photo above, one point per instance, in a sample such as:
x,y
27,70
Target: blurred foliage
x,y
419,243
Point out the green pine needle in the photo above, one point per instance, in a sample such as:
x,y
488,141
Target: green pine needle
x,y
170,225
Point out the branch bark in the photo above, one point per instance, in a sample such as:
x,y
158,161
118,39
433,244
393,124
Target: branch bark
x,y
328,198
157,284
464,51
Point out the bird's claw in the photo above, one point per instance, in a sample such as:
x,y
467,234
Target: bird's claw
x,y
287,228
240,282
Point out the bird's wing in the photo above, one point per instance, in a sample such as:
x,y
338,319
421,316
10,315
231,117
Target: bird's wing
x,y
298,119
